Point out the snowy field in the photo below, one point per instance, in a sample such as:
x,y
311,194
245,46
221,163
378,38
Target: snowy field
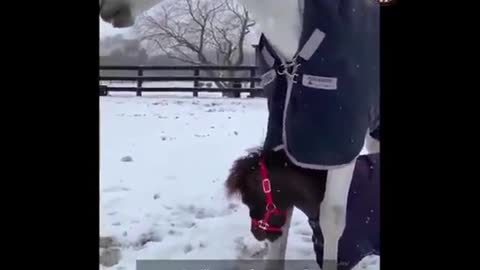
x,y
163,162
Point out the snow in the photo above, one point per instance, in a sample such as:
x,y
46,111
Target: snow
x,y
163,162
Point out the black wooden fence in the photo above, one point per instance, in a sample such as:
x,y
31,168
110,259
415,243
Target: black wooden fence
x,y
140,78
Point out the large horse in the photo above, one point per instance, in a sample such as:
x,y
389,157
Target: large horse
x,y
312,47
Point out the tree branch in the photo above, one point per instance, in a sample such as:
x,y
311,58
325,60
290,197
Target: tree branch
x,y
186,30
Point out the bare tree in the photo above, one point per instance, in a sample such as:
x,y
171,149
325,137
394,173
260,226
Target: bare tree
x,y
198,32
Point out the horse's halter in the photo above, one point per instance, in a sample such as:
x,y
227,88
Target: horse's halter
x,y
264,224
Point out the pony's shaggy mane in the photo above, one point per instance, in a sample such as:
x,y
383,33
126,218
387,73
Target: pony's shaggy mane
x,y
242,167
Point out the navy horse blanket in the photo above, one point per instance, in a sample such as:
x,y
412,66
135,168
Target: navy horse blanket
x,y
362,232
323,102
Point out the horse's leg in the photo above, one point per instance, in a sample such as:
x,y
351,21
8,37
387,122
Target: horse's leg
x,y
371,144
333,212
276,250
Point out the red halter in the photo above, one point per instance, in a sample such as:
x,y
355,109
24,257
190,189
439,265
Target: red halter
x,y
271,208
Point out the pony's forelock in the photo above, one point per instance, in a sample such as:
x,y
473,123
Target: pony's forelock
x,y
237,180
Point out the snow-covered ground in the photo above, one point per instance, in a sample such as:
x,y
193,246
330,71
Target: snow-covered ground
x,y
164,159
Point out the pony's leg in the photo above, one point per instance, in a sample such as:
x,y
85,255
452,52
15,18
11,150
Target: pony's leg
x,y
276,250
333,212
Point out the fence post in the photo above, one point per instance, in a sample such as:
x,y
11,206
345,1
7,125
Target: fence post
x,y
139,82
196,83
252,82
103,90
258,55
237,94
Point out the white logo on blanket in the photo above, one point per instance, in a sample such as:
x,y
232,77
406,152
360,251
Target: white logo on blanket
x,y
319,82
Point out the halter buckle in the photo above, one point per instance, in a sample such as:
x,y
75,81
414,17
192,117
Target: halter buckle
x,y
267,188
263,225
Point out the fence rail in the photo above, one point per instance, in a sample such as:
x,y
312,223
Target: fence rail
x,y
108,67
234,89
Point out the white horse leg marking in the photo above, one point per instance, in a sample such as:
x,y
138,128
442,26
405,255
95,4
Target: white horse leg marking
x,y
277,249
372,145
333,212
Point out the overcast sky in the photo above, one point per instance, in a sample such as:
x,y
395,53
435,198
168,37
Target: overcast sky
x,y
108,30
